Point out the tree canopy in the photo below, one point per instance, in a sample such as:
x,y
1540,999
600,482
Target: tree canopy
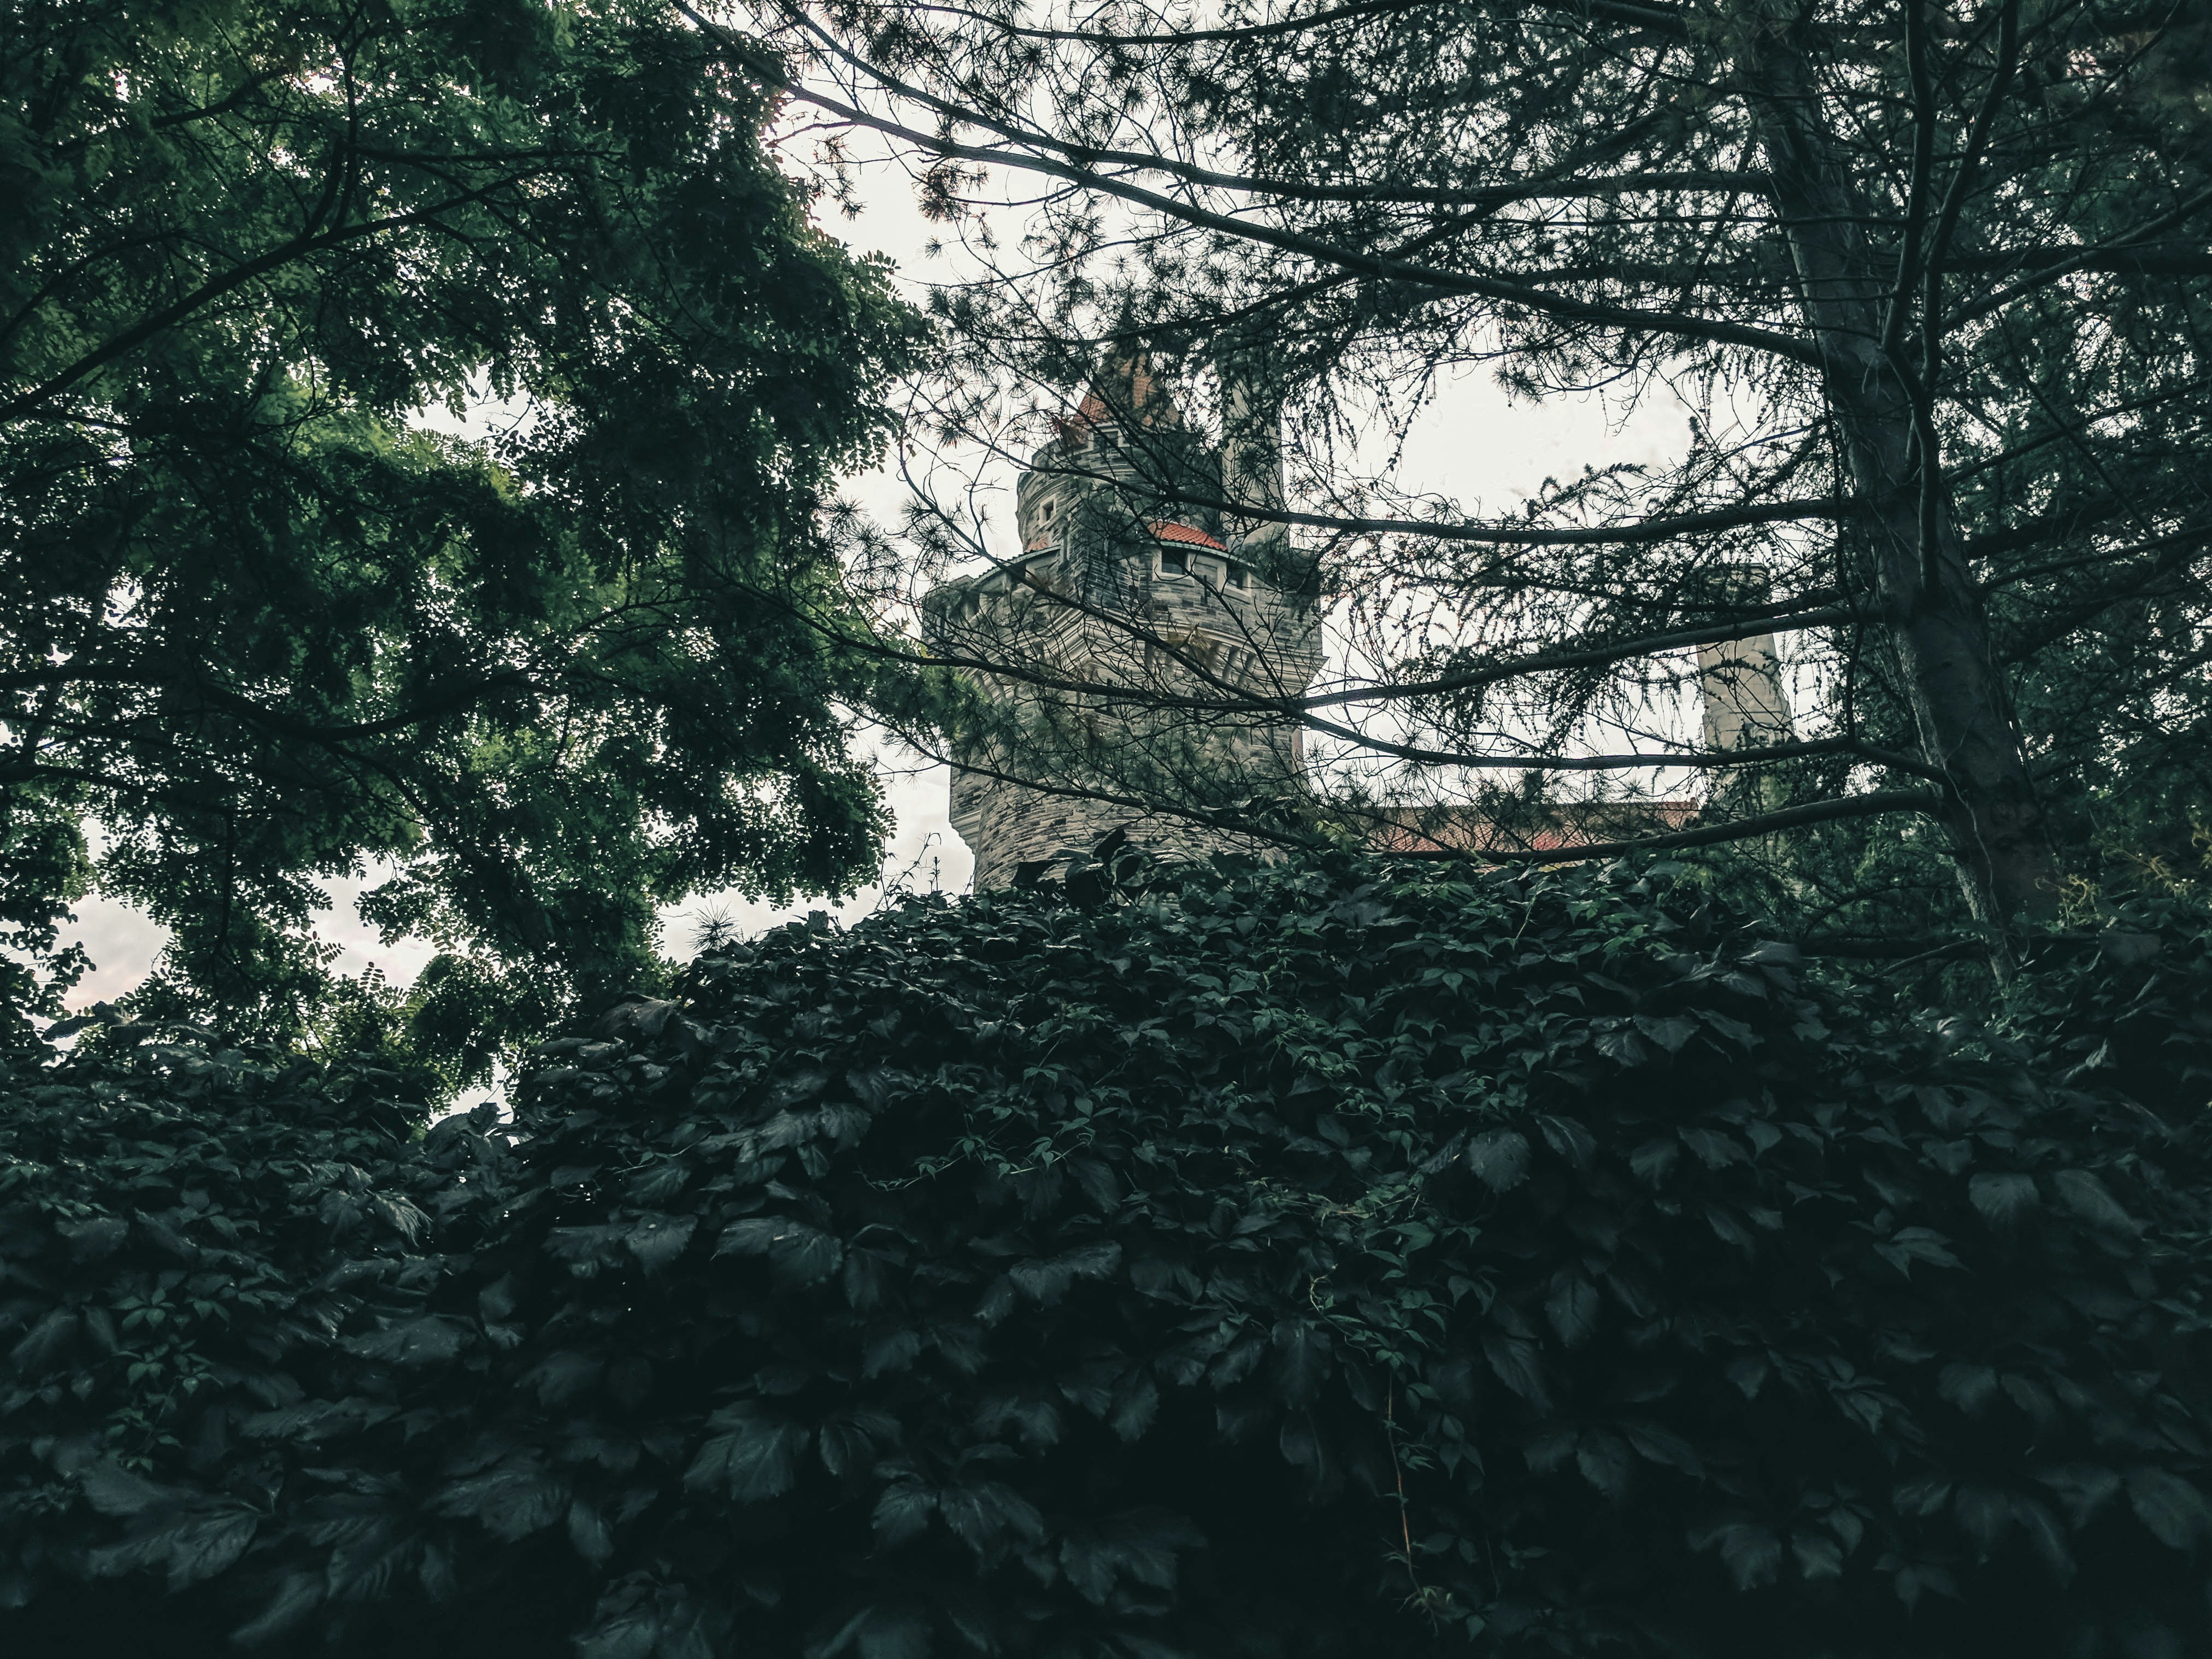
x,y
1334,1257
264,624
1927,283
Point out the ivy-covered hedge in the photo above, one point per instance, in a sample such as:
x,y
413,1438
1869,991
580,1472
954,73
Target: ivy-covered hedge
x,y
194,1244
1322,1259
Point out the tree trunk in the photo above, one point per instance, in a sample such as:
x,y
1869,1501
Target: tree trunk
x,y
1924,597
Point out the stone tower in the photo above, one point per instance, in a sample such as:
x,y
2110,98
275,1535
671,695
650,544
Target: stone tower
x,y
1139,635
1740,681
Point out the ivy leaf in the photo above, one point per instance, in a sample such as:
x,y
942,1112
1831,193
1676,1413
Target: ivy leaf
x,y
881,1632
1302,1360
1499,1159
1969,1388
1516,1365
113,1490
2045,1536
1090,1562
1654,1160
1569,1139
1985,1514
1910,1244
1819,1554
2004,1199
1923,1495
1136,1402
94,1238
630,1632
800,1254
1664,1446
297,1595
517,1498
754,1457
589,1534
2083,1488
990,1515
902,1511
1605,1461
1572,1308
1752,1554
1045,1282
1918,1579
1669,1031
431,1340
656,1241
1715,1150
2089,1198
48,1343
1622,1044
2174,1511
889,1350
193,1544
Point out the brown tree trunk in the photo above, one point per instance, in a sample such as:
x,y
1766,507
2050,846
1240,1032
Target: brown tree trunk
x,y
1922,595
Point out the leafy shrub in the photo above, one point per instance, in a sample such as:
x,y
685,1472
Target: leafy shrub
x,y
1322,1259
202,1250
2129,1008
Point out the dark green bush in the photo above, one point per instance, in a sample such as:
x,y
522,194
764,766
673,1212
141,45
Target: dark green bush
x,y
1325,1260
200,1248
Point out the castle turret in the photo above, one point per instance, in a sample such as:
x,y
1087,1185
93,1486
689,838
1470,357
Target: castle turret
x,y
1740,681
1137,639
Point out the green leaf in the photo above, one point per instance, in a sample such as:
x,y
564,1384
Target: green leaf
x,y
1670,1031
2083,1488
1654,1160
881,1632
1515,1364
989,1517
1985,1514
657,1241
517,1498
589,1534
754,1458
1752,1554
2088,1198
1499,1159
1569,1139
2004,1199
1605,1461
113,1490
431,1340
1572,1308
1302,1360
1970,1387
1820,1555
902,1511
2173,1510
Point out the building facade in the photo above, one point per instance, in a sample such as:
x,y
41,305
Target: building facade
x,y
1134,668
1136,645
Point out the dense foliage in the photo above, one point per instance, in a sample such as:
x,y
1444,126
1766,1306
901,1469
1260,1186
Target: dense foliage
x,y
264,622
1319,1259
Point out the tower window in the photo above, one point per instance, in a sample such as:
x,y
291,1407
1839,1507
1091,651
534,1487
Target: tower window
x,y
1175,564
1048,508
1237,576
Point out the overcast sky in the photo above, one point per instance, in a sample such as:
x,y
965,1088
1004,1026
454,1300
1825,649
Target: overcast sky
x,y
1473,444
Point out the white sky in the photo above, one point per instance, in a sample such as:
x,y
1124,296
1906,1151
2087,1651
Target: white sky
x,y
1472,443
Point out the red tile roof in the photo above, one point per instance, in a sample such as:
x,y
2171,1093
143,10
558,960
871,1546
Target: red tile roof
x,y
1560,828
1184,532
